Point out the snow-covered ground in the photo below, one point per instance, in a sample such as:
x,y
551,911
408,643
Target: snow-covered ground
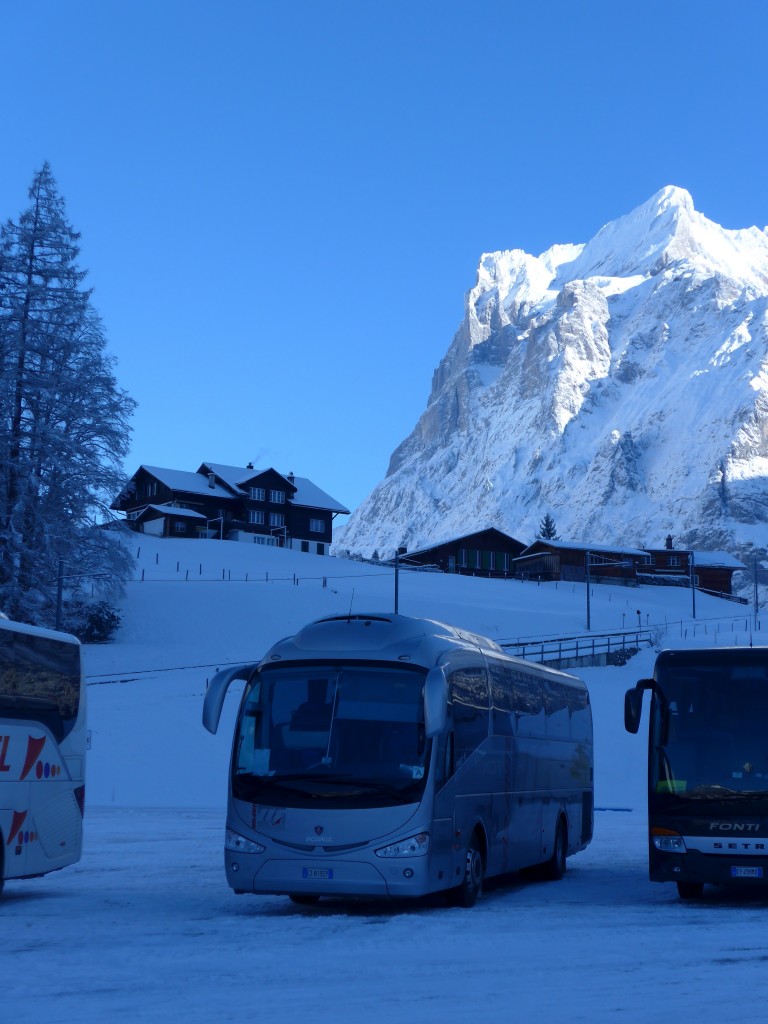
x,y
145,927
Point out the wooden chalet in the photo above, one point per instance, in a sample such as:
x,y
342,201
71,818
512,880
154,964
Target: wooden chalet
x,y
565,560
231,503
486,552
712,570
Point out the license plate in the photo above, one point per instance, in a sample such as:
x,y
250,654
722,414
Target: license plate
x,y
317,874
746,872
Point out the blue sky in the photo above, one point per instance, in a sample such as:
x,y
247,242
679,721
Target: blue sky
x,y
283,204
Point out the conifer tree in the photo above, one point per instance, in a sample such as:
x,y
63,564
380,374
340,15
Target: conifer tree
x,y
547,528
64,422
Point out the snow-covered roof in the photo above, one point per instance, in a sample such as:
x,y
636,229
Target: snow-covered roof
x,y
172,510
456,539
716,560
307,494
191,483
605,549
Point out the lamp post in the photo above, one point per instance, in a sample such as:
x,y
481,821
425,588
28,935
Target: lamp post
x,y
400,551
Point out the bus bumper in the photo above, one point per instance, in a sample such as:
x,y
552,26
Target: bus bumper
x,y
383,878
697,868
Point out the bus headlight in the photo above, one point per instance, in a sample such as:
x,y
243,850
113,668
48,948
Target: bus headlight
x,y
416,846
239,844
668,841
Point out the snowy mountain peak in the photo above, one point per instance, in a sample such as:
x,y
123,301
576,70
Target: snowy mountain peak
x,y
620,385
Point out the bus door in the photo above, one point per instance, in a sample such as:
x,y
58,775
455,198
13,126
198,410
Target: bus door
x,y
466,796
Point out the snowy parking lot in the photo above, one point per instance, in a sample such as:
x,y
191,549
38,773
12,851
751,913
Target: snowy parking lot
x,y
145,928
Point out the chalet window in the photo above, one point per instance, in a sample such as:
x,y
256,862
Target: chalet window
x,y
305,546
462,558
277,497
673,561
151,488
255,518
180,527
276,519
321,549
316,526
256,493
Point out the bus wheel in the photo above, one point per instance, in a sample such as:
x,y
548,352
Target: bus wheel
x,y
304,899
690,890
466,895
554,869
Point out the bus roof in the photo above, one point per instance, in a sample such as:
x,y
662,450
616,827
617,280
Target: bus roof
x,y
385,636
49,634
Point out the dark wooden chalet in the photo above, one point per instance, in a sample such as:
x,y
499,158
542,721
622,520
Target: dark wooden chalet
x,y
231,503
487,552
565,560
712,570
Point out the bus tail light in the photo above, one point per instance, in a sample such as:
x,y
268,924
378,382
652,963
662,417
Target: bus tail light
x,y
667,841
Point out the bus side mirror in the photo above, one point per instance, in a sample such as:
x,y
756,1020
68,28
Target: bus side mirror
x,y
217,691
633,706
435,703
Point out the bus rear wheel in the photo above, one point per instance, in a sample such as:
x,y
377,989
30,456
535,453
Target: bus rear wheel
x,y
471,888
554,869
690,890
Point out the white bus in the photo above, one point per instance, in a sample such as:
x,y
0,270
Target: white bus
x,y
42,750
387,756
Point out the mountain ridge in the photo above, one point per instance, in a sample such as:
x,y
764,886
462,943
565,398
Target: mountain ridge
x,y
620,385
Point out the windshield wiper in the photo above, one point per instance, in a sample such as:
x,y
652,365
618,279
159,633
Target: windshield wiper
x,y
722,793
27,700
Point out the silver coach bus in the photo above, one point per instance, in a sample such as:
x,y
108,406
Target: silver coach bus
x,y
387,756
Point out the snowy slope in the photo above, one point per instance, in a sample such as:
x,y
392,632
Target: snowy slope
x,y
196,606
620,386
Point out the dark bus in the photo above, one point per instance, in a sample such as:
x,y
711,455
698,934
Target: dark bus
x,y
707,767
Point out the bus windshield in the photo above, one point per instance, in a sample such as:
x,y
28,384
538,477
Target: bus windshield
x,y
39,680
717,745
344,735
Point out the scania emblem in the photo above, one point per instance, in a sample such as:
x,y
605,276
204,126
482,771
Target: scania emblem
x,y
318,830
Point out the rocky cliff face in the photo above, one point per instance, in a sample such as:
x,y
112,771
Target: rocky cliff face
x,y
621,386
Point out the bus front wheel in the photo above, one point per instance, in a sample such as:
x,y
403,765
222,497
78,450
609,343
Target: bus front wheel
x,y
690,890
466,895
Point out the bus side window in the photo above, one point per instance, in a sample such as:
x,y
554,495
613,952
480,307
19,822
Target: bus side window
x,y
469,690
581,716
558,722
529,706
502,699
